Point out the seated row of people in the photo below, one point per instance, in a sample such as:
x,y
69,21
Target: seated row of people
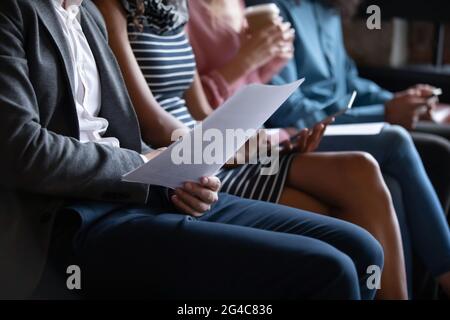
x,y
310,231
227,57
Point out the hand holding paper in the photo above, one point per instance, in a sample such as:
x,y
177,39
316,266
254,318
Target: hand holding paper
x,y
246,110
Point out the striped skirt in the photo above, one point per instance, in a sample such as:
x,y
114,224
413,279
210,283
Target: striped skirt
x,y
246,181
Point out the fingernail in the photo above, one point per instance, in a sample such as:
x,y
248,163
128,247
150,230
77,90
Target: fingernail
x,y
205,180
188,186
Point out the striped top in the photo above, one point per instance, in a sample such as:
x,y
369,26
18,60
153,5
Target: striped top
x,y
168,65
167,61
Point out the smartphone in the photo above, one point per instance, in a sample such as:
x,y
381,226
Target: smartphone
x,y
334,110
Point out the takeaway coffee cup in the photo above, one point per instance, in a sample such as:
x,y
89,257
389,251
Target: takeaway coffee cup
x,y
260,16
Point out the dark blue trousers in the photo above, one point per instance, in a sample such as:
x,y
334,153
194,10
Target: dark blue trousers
x,y
240,249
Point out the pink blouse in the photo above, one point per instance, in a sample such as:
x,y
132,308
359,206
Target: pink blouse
x,y
215,43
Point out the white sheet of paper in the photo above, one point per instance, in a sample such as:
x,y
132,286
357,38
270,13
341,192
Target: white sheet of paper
x,y
248,109
358,129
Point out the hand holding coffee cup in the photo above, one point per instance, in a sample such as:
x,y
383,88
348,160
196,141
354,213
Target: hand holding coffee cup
x,y
263,18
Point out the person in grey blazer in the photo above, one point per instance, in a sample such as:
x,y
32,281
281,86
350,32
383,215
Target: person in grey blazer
x,y
62,199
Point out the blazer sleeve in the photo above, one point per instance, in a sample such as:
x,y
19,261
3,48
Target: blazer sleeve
x,y
37,160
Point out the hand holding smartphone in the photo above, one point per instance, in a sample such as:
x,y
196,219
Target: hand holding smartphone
x,y
332,111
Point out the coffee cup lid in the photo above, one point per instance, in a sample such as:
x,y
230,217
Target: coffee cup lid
x,y
263,8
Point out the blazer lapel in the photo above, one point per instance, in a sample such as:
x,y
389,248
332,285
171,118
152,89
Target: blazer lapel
x,y
48,16
116,104
50,20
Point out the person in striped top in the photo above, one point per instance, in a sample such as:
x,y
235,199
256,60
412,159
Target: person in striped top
x,y
168,65
157,62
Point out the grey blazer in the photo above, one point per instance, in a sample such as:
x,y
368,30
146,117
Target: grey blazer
x,y
42,162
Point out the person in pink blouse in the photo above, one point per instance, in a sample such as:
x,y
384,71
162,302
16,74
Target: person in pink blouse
x,y
235,56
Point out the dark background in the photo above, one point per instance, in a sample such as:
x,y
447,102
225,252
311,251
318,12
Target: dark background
x,y
429,27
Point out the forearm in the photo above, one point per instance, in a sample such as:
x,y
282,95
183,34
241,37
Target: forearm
x,y
234,70
271,69
370,113
196,100
369,93
163,130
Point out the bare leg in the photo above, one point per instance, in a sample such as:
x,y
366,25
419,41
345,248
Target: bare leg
x,y
300,200
350,186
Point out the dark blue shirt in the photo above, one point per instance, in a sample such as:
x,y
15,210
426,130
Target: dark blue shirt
x,y
321,58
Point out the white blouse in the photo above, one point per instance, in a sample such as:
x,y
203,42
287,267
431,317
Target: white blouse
x,y
86,77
